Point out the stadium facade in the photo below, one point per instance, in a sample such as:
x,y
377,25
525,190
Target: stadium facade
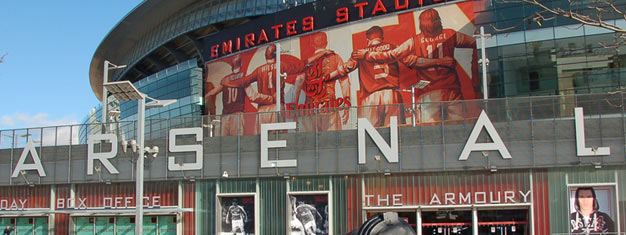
x,y
379,109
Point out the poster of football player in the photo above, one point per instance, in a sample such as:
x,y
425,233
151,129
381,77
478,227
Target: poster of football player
x,y
358,70
592,210
309,214
237,215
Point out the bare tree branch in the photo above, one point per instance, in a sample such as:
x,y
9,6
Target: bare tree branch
x,y
585,12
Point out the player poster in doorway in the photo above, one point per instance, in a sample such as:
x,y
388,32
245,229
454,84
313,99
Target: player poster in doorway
x,y
592,210
237,215
309,214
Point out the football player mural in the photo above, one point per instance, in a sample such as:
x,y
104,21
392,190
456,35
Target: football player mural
x,y
361,70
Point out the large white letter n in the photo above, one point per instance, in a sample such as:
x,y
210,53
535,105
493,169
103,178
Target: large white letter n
x,y
471,145
389,151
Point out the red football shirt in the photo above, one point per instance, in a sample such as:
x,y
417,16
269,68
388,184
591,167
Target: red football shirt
x,y
438,47
375,76
233,93
265,76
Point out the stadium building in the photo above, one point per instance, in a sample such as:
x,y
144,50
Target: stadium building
x,y
309,117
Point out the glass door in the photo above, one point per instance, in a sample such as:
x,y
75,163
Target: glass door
x,y
105,225
41,226
125,225
4,222
447,222
502,221
24,226
167,225
149,225
83,225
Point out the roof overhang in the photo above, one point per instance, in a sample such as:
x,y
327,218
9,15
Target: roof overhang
x,y
124,36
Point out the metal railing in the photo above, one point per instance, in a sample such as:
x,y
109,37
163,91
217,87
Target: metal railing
x,y
533,109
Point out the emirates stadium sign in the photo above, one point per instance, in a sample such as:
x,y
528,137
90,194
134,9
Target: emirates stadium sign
x,y
303,19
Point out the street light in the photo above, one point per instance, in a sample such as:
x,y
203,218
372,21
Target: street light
x,y
125,91
484,61
420,85
105,78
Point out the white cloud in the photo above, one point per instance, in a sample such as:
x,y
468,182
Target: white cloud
x,y
22,120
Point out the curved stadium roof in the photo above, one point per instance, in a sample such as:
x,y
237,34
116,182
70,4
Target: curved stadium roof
x,y
160,33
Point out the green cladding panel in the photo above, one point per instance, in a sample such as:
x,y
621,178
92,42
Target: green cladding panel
x,y
312,183
273,199
205,206
340,204
621,175
238,186
558,178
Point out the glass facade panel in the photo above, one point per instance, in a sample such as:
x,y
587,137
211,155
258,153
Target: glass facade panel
x,y
182,82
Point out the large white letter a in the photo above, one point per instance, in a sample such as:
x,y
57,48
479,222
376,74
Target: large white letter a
x,y
22,166
471,145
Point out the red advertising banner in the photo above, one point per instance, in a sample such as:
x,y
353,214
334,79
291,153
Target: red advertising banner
x,y
354,70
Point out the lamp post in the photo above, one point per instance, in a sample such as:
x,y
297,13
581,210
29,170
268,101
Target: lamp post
x,y
420,85
484,61
125,91
105,96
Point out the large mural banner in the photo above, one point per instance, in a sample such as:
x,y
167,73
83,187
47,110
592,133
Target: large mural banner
x,y
359,70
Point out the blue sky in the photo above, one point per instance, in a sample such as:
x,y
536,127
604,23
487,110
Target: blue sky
x,y
44,78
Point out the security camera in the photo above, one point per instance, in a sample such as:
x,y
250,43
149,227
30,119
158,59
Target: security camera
x,y
155,151
133,145
146,151
124,145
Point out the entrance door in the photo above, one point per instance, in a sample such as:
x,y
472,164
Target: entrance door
x,y
167,225
125,225
105,225
24,226
509,222
41,226
447,222
150,225
84,225
4,222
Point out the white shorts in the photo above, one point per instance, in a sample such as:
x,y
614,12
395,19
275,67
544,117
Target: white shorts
x,y
379,106
237,226
310,227
232,124
431,109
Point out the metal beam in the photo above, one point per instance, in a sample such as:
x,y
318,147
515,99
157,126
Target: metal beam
x,y
197,46
156,62
140,71
178,56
